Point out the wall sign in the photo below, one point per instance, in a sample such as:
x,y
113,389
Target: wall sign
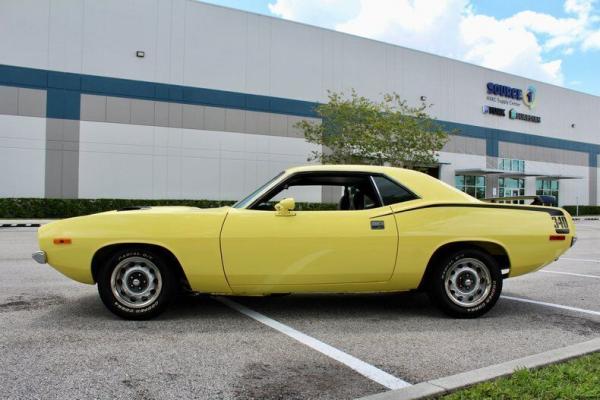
x,y
493,110
511,96
514,114
504,91
530,97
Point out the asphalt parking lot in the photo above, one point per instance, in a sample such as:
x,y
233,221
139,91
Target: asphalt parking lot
x,y
58,341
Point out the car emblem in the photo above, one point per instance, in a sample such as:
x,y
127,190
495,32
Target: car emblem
x,y
376,225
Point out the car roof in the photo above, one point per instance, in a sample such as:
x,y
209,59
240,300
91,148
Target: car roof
x,y
423,185
343,167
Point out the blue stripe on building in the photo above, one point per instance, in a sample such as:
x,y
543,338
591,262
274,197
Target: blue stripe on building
x,y
65,89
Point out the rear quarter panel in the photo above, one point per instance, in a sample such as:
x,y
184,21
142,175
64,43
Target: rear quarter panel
x,y
523,234
192,237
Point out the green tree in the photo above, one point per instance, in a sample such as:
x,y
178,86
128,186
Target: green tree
x,y
357,130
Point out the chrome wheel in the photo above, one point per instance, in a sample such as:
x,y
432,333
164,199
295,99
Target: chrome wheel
x,y
467,282
136,282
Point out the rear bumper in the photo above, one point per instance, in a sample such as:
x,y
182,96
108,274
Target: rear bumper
x,y
40,257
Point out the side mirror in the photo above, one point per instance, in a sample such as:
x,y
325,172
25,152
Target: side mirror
x,y
285,207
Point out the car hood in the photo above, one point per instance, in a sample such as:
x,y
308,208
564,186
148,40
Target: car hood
x,y
132,218
164,210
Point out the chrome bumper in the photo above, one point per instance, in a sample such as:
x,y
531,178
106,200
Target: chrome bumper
x,y
40,257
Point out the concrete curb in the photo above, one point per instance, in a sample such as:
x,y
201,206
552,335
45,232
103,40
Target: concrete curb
x,y
586,218
19,226
23,223
438,387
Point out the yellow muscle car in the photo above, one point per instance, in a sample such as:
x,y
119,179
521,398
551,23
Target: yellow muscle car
x,y
321,228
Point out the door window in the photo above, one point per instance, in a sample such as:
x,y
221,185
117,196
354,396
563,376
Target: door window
x,y
391,192
320,191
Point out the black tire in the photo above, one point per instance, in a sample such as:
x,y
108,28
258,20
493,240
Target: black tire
x,y
147,269
459,267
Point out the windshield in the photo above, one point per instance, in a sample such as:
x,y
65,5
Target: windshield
x,y
244,202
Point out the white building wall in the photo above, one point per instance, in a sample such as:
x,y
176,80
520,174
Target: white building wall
x,y
191,43
22,156
134,161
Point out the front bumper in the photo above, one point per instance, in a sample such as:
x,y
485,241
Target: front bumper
x,y
40,257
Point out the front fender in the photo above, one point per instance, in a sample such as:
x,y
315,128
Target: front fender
x,y
192,237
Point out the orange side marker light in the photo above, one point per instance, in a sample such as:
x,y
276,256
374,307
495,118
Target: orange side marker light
x,y
62,241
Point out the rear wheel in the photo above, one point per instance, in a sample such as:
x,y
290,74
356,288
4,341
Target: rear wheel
x,y
136,283
466,283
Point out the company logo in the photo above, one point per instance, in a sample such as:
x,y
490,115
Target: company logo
x,y
511,96
530,97
504,91
514,114
493,110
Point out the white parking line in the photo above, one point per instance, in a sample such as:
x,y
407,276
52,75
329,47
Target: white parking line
x,y
367,370
572,274
579,259
542,303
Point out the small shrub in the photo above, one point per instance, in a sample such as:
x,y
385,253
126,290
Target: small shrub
x,y
583,210
65,208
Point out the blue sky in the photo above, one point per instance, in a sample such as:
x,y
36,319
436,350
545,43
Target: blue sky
x,y
555,41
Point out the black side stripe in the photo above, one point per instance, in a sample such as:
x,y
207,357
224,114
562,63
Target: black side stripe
x,y
453,205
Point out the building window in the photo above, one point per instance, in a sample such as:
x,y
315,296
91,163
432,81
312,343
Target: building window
x,y
547,187
507,164
511,187
471,184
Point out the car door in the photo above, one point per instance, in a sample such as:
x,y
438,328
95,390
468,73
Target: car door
x,y
261,247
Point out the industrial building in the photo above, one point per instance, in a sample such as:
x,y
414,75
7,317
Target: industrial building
x,y
161,99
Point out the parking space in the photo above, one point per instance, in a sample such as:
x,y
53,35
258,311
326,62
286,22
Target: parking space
x,y
58,341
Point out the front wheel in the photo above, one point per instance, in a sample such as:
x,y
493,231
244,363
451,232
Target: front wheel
x,y
466,283
136,283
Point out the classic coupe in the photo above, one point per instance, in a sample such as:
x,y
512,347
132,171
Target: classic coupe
x,y
320,228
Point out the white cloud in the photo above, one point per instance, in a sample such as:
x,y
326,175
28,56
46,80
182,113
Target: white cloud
x,y
429,25
581,7
520,44
506,47
592,42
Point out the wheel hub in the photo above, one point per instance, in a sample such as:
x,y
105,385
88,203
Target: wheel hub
x,y
467,282
136,282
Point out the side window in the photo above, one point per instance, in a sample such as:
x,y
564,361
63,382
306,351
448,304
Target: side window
x,y
391,192
324,192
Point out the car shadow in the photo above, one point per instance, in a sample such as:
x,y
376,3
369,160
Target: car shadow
x,y
187,312
88,309
335,306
